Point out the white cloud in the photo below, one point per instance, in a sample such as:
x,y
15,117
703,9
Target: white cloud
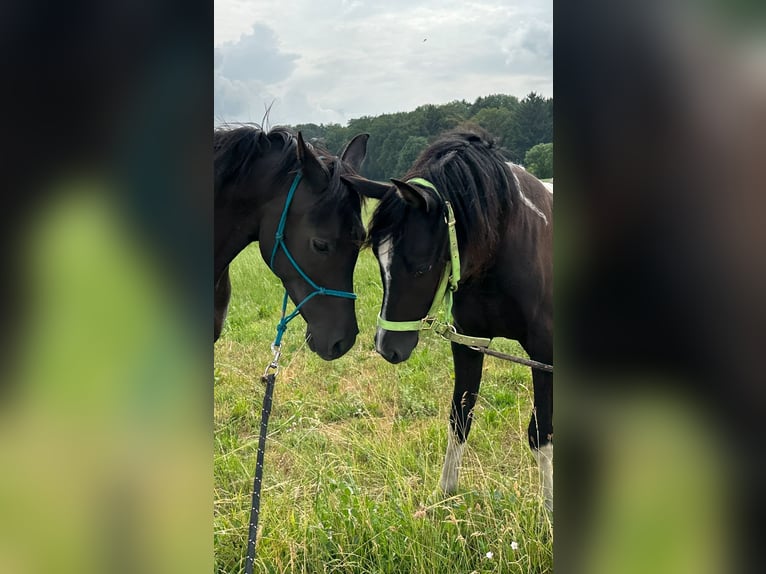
x,y
529,46
255,56
334,60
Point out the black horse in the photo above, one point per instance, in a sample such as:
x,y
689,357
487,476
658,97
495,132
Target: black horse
x,y
255,172
504,228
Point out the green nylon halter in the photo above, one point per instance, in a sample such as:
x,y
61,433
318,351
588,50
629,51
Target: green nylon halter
x,y
448,284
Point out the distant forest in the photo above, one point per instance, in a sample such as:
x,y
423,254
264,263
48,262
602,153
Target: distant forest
x,y
397,139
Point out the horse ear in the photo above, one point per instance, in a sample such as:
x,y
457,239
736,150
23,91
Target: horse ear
x,y
411,194
312,168
355,151
366,187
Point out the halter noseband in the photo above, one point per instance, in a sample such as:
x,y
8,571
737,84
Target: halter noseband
x,y
280,242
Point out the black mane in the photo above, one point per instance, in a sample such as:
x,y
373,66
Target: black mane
x,y
236,149
469,170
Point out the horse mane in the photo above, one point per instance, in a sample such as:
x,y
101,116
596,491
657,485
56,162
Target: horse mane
x,y
238,147
469,170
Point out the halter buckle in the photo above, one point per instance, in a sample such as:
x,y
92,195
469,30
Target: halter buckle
x,y
445,329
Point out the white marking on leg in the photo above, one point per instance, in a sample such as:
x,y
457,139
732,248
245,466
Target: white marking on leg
x,y
385,257
544,458
452,460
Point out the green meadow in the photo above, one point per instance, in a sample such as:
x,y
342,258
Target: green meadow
x,y
355,449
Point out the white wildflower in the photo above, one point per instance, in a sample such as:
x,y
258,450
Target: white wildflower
x,y
514,545
490,555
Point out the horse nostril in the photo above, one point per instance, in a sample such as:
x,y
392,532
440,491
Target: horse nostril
x,y
341,347
392,356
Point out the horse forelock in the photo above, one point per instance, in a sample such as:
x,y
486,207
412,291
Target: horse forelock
x,y
385,223
338,197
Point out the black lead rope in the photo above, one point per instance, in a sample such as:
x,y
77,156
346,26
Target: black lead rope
x,y
521,360
255,507
269,377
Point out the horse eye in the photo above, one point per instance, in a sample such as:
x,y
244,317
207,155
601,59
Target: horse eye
x,y
320,245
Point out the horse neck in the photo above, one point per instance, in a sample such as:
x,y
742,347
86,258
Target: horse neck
x,y
522,225
268,185
235,230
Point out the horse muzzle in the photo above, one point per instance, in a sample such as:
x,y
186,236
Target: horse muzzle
x,y
332,347
395,346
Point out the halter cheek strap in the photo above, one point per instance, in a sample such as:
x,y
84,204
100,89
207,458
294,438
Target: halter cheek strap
x,y
449,219
279,243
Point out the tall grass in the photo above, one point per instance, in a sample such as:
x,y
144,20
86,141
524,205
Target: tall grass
x,y
355,449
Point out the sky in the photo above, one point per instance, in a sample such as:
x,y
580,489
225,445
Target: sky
x,y
333,60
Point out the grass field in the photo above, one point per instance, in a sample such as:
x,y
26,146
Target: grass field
x,y
355,450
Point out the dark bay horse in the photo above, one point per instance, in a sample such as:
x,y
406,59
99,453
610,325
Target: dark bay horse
x,y
504,236
255,174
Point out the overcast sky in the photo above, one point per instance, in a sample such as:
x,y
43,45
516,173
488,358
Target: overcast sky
x,y
332,60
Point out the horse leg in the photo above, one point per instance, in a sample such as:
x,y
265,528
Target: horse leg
x,y
540,430
467,379
221,295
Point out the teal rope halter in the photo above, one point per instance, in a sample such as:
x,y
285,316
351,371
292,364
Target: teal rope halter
x,y
280,243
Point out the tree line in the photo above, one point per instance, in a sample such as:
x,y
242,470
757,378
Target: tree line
x,y
523,129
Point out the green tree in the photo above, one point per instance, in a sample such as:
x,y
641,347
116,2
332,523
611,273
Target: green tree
x,y
431,118
539,160
388,132
396,139
336,136
389,152
533,124
456,112
495,101
409,153
497,121
310,131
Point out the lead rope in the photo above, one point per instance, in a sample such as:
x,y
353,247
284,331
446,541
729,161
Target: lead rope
x,y
521,360
270,374
255,507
